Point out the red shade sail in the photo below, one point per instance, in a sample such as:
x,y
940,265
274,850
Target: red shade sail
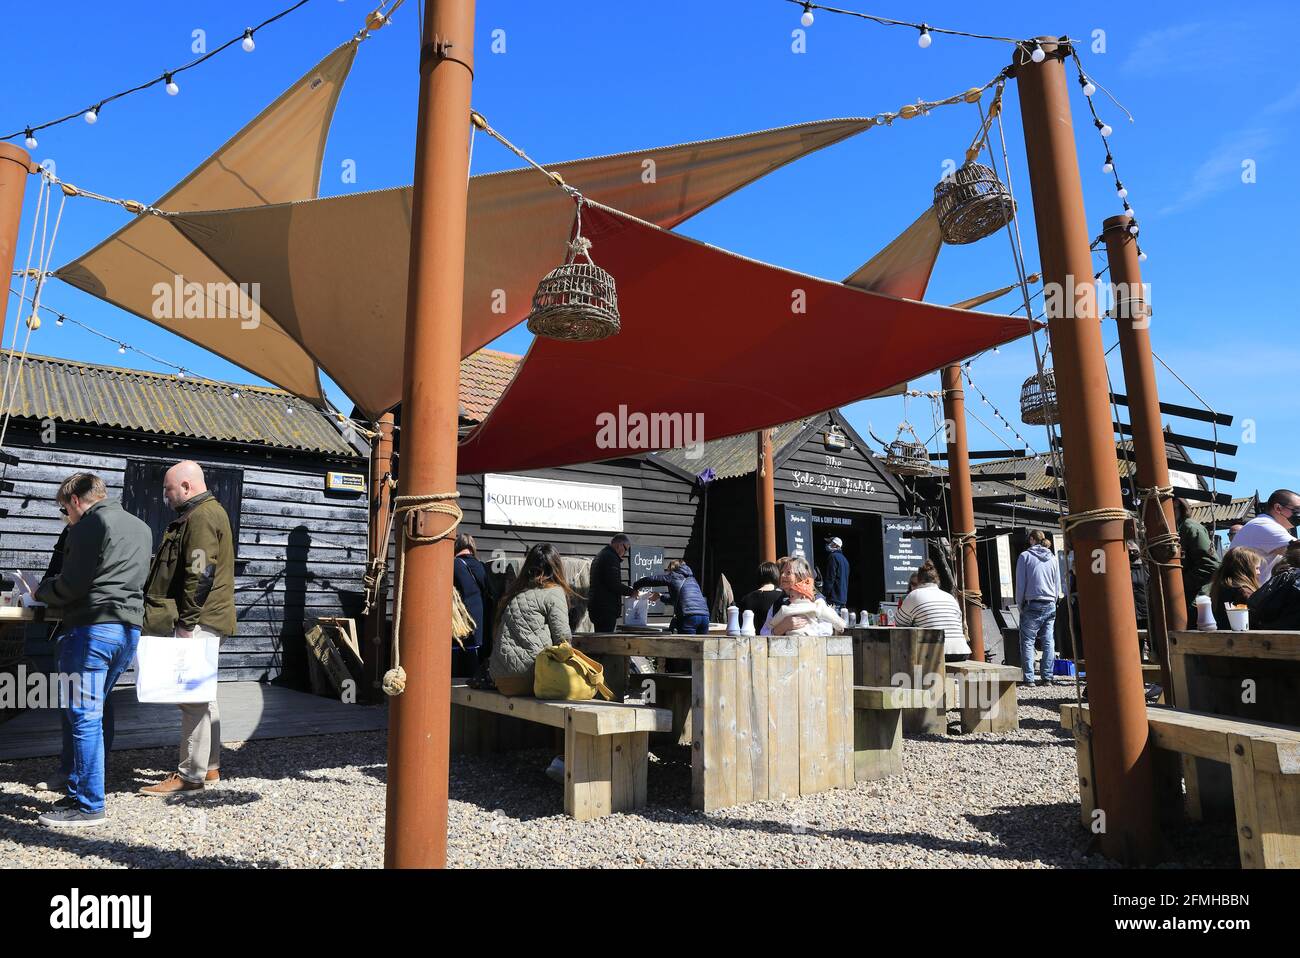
x,y
729,342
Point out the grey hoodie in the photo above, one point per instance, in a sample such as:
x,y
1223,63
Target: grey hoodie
x,y
1038,576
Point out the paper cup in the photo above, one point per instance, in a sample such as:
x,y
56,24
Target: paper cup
x,y
1238,619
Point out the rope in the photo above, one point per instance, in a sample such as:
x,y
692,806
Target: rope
x,y
1105,514
394,682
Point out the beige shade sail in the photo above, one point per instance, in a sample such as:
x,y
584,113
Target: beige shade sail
x,y
333,272
276,158
903,267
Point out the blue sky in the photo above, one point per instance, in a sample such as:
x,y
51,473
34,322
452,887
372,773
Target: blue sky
x,y
582,77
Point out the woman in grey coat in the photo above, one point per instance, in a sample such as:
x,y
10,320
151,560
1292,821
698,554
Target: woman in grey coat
x,y
533,614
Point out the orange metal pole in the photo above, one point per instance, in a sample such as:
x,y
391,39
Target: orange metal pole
x,y
1122,762
766,499
963,506
418,737
1132,320
373,651
15,167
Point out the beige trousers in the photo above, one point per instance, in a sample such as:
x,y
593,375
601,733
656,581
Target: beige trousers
x,y
200,750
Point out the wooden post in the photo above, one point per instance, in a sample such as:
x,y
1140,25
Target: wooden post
x,y
418,737
766,499
1133,321
374,651
963,508
15,167
1121,750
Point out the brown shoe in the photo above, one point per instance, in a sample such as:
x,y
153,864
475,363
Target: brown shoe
x,y
172,784
214,775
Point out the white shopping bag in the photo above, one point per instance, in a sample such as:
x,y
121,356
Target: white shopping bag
x,y
635,610
173,669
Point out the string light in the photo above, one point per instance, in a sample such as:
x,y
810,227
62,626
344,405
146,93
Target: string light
x,y
91,115
121,349
924,40
1109,165
30,142
1105,128
807,18
1038,54
59,321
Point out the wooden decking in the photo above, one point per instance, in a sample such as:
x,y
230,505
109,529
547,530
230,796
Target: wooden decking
x,y
249,710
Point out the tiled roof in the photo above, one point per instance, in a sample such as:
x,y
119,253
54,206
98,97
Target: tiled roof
x,y
734,455
484,376
132,399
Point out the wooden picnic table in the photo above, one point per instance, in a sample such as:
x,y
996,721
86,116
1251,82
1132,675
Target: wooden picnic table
x,y
882,652
769,717
1246,675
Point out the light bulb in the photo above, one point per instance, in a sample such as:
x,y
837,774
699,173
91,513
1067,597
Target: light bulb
x,y
172,88
248,43
807,18
30,141
235,394
288,409
1142,256
1130,212
1133,229
121,350
1037,55
92,116
1089,88
924,40
180,374
996,351
1105,128
59,321
1108,166
1121,191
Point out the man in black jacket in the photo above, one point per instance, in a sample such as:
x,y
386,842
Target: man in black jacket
x,y
98,592
605,601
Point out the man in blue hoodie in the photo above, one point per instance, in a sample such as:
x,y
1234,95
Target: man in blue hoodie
x,y
1038,589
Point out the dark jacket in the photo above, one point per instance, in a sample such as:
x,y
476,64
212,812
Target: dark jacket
x,y
192,579
471,582
760,602
1199,560
837,579
684,593
1276,605
105,561
607,588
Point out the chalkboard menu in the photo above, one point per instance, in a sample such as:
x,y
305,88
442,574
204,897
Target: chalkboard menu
x,y
648,560
902,554
798,532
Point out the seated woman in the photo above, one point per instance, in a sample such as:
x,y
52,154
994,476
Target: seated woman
x,y
802,611
929,607
1234,582
691,612
533,614
1276,605
768,594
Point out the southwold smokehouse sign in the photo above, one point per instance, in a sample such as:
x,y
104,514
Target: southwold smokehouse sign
x,y
551,504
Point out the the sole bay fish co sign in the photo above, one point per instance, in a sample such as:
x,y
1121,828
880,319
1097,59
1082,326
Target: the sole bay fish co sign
x,y
551,504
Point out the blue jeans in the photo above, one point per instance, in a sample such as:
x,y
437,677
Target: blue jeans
x,y
695,624
1037,620
97,655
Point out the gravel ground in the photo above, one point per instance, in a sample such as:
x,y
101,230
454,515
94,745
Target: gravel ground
x,y
990,800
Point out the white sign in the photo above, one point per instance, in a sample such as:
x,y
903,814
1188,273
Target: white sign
x,y
551,504
1184,480
1006,578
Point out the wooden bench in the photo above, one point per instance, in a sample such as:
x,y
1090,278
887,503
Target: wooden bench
x,y
987,695
1264,761
878,727
605,743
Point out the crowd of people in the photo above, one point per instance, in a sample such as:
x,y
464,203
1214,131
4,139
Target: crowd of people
x,y
105,583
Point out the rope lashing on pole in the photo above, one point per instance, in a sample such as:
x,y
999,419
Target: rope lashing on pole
x,y
1167,539
378,569
1073,520
441,503
972,596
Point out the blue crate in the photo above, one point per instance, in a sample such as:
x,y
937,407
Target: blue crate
x,y
1063,667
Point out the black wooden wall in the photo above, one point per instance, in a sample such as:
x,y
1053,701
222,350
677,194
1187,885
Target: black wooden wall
x,y
301,552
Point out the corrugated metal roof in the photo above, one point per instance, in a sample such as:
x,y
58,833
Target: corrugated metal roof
x,y
68,391
484,376
1035,467
734,455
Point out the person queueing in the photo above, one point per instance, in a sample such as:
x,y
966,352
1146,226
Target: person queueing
x,y
191,594
927,606
470,579
768,594
1235,581
690,610
1199,558
607,592
836,579
1271,532
533,613
1038,589
99,593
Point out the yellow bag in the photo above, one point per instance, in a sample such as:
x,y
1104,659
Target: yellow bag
x,y
562,672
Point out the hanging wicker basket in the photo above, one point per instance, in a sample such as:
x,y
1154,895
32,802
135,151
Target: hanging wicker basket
x,y
971,204
905,457
576,302
1038,400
